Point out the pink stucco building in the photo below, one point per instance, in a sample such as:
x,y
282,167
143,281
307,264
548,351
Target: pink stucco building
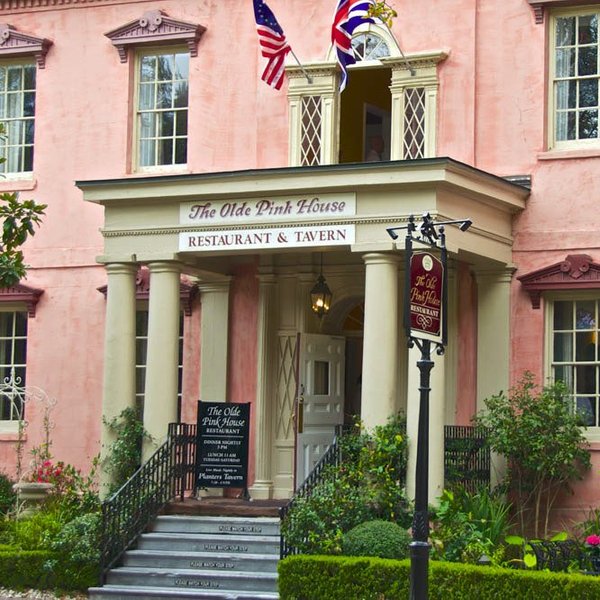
x,y
191,208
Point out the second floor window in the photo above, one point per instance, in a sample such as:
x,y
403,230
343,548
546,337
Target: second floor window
x,y
17,114
162,109
575,78
13,355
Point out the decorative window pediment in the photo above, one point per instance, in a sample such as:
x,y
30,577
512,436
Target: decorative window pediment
x,y
576,272
13,43
187,291
22,293
155,27
540,6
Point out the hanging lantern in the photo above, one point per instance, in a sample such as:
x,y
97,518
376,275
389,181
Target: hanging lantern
x,y
320,295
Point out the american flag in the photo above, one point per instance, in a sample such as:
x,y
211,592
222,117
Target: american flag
x,y
273,44
349,14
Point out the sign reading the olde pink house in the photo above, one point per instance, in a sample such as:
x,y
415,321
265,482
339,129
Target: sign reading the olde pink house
x,y
426,291
266,210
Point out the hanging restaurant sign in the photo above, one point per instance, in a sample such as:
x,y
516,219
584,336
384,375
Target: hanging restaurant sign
x,y
255,239
222,445
267,210
425,296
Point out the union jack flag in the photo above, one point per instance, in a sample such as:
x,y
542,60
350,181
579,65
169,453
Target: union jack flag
x,y
349,14
273,44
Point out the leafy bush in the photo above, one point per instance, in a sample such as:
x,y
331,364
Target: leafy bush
x,y
543,442
377,538
342,578
467,525
368,484
25,569
35,532
7,494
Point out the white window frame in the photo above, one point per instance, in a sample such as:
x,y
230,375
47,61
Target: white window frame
x,y
11,425
136,145
553,143
6,121
592,432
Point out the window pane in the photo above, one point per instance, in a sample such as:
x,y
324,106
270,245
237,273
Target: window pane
x,y
585,315
566,94
148,68
585,346
165,152
565,62
15,105
147,125
29,131
147,149
565,374
180,152
164,97
147,96
588,124
182,122
563,347
588,29
586,379
28,159
14,78
321,378
565,126
182,66
21,324
588,92
20,352
181,94
166,124
565,31
28,104
165,65
586,409
563,315
588,61
28,78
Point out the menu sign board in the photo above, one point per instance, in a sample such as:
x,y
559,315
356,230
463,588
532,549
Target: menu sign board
x,y
222,448
426,293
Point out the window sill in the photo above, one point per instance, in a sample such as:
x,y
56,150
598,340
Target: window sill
x,y
163,170
569,154
9,431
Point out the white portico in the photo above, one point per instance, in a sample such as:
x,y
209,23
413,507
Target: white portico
x,y
254,242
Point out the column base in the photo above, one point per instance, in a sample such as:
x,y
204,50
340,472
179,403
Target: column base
x,y
261,490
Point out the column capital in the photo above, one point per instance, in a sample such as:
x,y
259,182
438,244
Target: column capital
x,y
165,266
121,268
218,286
385,258
502,275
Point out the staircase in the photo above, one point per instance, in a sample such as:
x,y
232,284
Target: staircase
x,y
218,557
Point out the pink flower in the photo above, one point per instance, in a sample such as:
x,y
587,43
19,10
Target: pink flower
x,y
47,463
593,540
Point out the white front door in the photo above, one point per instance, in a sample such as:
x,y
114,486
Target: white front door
x,y
320,402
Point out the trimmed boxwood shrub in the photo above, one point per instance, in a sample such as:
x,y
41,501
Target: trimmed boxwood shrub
x,y
340,578
383,539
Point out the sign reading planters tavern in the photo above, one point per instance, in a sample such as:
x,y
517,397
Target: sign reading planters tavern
x,y
222,449
215,214
426,292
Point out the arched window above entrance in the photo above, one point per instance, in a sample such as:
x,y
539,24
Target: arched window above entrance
x,y
369,46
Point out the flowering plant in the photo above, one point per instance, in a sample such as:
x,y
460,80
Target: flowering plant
x,y
592,544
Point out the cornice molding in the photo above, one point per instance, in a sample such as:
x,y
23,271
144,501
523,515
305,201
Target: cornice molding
x,y
187,291
155,27
15,5
540,6
16,43
22,293
576,272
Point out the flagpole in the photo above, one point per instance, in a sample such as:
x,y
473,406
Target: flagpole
x,y
308,77
410,68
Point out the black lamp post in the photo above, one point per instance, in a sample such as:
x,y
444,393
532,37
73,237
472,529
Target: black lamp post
x,y
425,323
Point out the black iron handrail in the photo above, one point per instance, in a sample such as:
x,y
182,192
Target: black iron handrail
x,y
319,474
168,473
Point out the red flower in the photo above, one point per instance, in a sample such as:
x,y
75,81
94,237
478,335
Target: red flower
x,y
593,540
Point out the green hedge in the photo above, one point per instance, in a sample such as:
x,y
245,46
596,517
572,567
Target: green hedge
x,y
343,578
43,569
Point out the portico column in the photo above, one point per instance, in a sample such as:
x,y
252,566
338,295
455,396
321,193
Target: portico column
x,y
493,342
264,407
162,358
380,344
437,420
214,340
119,352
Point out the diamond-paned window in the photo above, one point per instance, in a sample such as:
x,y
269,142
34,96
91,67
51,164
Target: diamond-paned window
x,y
368,46
310,136
576,77
414,123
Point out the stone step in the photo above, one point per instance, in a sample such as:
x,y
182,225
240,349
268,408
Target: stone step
x,y
243,544
216,525
115,592
190,579
263,563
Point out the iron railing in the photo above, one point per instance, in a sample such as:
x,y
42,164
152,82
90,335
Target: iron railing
x,y
319,474
466,457
168,473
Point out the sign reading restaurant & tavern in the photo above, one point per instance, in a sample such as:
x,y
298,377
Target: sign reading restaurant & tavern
x,y
222,448
211,218
426,293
